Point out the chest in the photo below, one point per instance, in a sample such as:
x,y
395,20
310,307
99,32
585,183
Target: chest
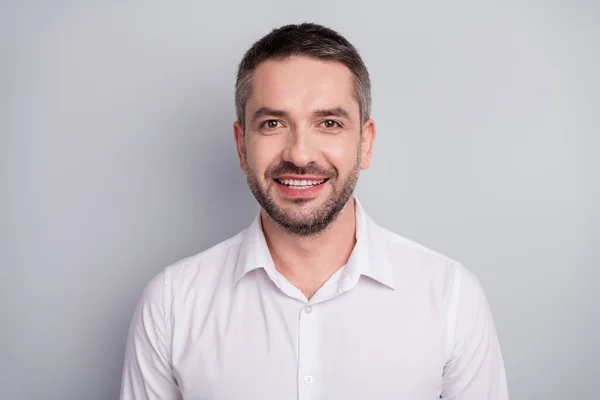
x,y
354,346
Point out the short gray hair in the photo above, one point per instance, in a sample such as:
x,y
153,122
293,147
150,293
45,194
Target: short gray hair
x,y
308,40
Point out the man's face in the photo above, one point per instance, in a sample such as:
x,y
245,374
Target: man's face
x,y
303,143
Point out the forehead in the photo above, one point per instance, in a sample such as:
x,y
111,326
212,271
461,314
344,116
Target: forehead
x,y
302,84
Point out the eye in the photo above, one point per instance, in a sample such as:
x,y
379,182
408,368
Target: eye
x,y
271,124
331,124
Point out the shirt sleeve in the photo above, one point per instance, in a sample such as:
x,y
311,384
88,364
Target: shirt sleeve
x,y
147,372
475,367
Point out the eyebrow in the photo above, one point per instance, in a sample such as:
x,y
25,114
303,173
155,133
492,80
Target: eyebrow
x,y
332,112
329,112
266,111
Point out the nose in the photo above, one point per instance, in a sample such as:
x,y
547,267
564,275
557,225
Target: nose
x,y
300,148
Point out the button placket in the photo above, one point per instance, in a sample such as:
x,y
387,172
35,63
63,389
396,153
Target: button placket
x,y
308,342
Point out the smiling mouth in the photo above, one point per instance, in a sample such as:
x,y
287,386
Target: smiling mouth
x,y
300,184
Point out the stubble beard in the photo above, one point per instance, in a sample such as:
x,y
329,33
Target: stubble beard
x,y
318,220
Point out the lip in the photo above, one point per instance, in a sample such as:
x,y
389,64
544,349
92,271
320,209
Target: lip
x,y
295,194
301,177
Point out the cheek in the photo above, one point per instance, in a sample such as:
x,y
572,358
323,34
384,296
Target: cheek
x,y
261,155
341,154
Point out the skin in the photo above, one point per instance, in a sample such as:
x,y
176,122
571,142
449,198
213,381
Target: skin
x,y
302,117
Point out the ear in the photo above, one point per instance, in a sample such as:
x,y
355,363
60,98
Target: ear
x,y
238,135
367,139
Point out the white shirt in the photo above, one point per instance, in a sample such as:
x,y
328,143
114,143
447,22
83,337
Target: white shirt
x,y
398,321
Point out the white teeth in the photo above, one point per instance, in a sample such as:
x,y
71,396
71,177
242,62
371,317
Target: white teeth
x,y
300,187
301,184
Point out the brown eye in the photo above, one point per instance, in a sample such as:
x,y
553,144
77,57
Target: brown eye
x,y
330,124
271,124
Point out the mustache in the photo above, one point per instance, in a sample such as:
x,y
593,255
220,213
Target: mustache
x,y
287,167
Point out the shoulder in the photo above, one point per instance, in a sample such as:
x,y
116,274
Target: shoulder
x,y
421,267
212,260
409,256
201,270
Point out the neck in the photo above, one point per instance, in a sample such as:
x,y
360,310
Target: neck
x,y
308,262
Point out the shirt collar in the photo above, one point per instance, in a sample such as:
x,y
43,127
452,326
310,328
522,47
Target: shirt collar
x,y
369,256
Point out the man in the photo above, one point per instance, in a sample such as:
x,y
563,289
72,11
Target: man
x,y
313,300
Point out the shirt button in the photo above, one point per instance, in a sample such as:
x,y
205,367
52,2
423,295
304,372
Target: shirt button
x,y
308,309
308,379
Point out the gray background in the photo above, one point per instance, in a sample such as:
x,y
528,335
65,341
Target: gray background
x,y
117,158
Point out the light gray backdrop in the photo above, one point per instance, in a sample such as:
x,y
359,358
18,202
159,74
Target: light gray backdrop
x,y
117,159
